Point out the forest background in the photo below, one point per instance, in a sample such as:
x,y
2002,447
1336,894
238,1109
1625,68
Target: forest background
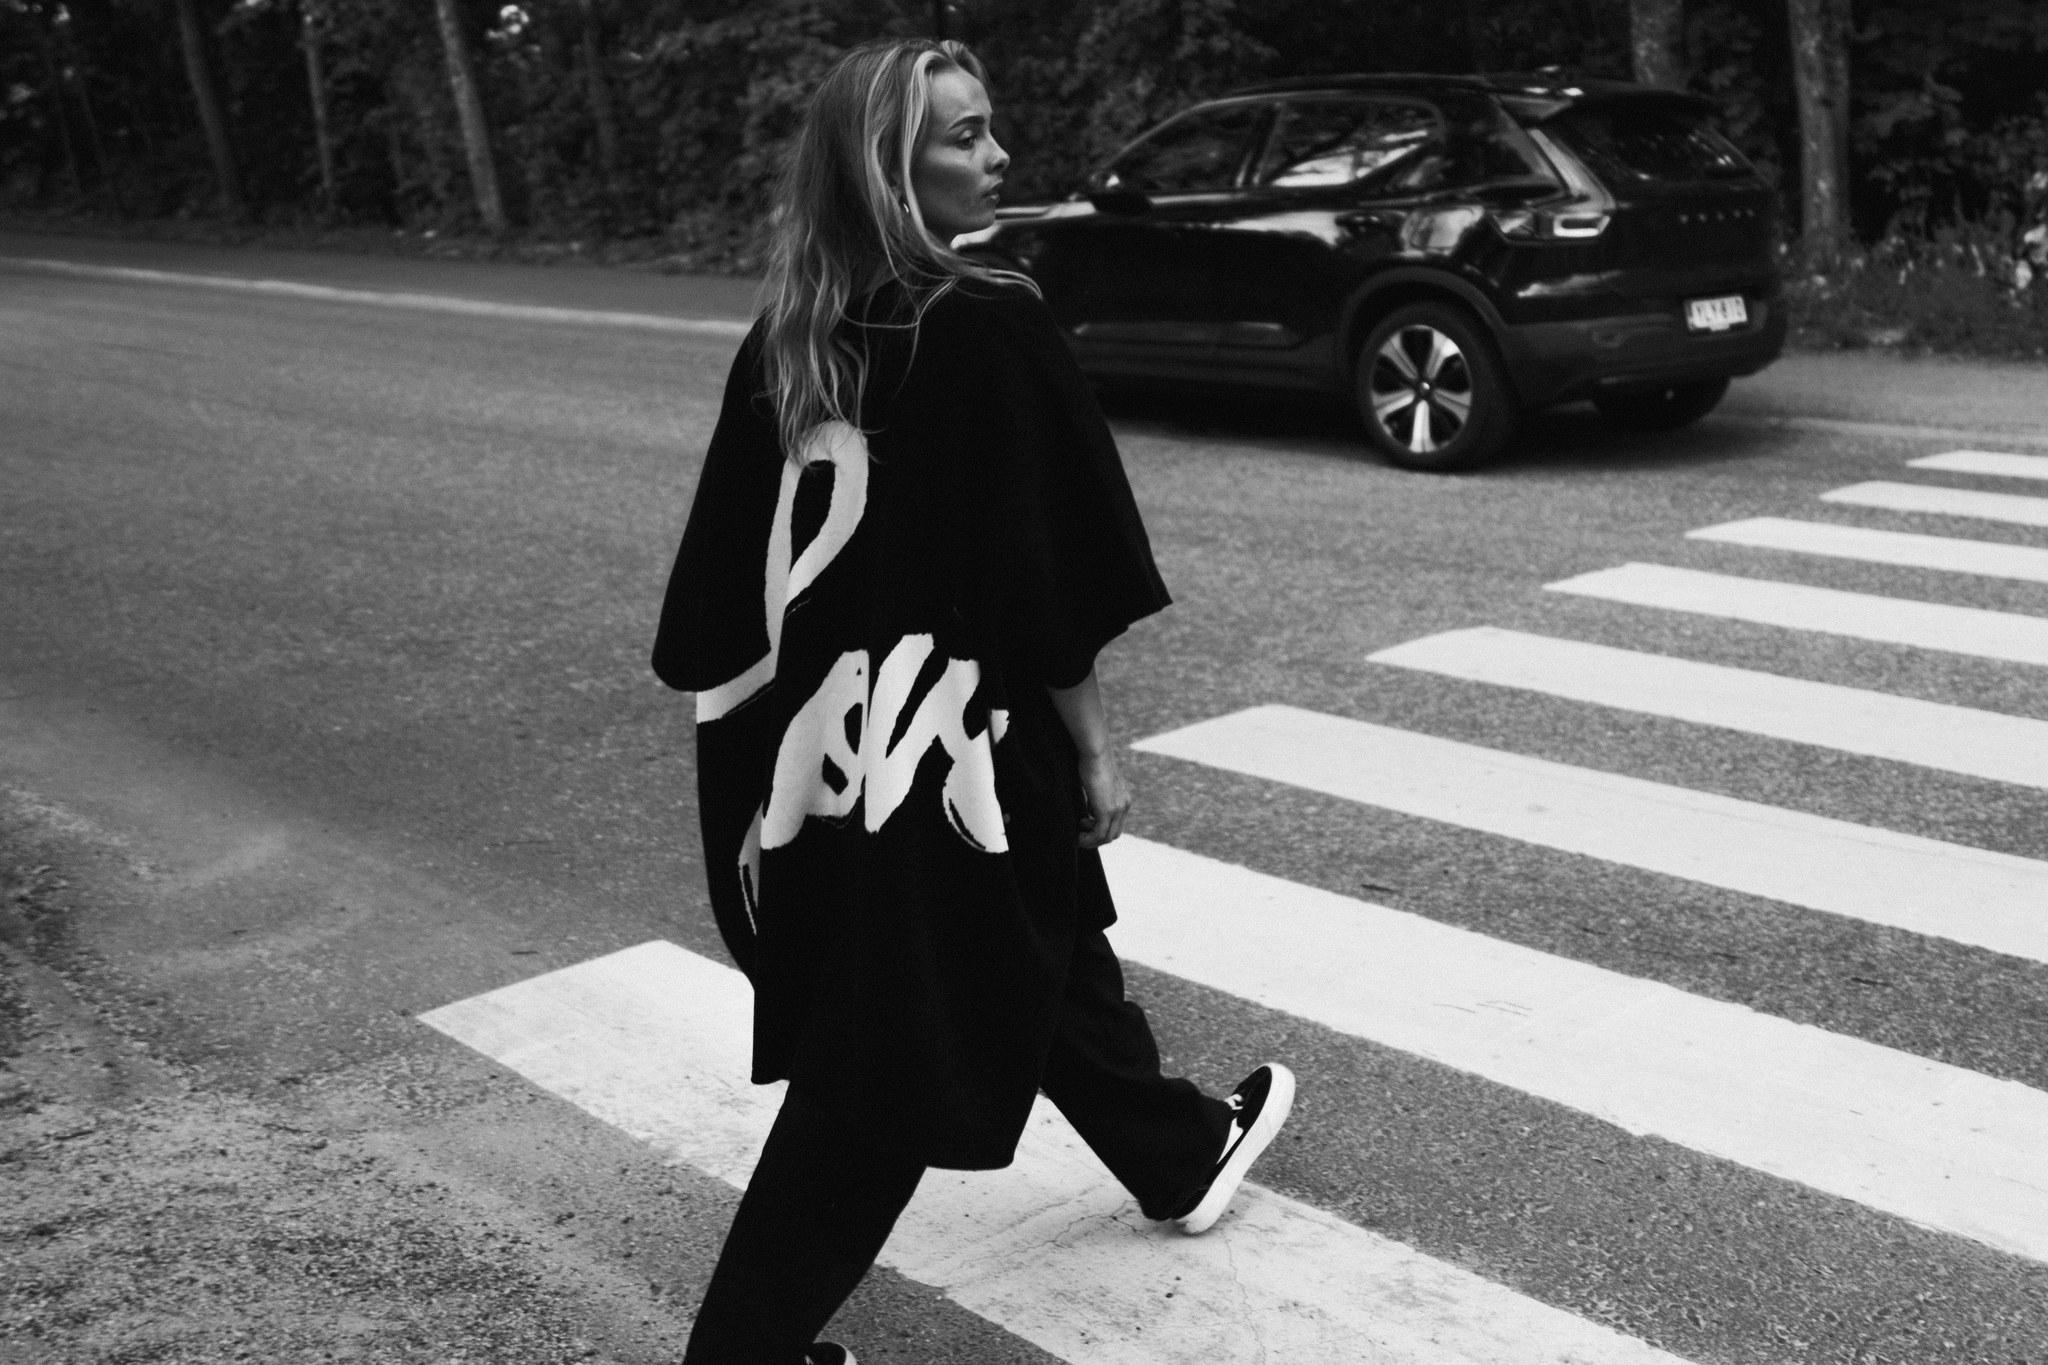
x,y
1909,138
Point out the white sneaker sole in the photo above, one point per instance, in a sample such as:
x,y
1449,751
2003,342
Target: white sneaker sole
x,y
1279,1100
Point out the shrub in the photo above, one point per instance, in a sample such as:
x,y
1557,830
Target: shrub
x,y
1974,288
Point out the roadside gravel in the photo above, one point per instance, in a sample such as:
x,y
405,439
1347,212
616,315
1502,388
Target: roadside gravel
x,y
150,1219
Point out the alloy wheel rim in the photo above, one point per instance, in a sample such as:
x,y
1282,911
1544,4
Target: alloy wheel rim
x,y
1421,388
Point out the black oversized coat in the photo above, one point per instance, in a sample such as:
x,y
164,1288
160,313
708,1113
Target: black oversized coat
x,y
890,802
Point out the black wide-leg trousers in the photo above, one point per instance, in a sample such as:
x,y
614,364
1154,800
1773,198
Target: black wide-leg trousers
x,y
820,1204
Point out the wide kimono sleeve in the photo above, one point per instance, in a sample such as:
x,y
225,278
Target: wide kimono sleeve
x,y
1071,566
713,616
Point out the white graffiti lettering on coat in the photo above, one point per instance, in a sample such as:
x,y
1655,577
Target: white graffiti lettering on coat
x,y
787,575
837,749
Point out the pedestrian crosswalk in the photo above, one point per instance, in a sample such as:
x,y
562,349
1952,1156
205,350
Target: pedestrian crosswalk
x,y
654,1039
1851,720
1936,1144
1797,606
1986,559
1946,502
1996,463
1990,900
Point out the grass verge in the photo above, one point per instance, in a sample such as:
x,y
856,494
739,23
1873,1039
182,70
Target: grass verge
x,y
1937,309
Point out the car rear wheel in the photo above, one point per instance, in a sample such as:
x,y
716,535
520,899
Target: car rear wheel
x,y
1662,409
1430,391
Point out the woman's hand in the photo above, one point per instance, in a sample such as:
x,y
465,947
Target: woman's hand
x,y
1104,793
1107,798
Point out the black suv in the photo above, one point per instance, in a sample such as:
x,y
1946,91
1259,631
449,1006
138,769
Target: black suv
x,y
1448,251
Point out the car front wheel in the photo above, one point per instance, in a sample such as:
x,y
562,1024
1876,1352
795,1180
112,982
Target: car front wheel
x,y
1430,391
1662,409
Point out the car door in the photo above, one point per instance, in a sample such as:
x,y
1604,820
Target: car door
x,y
1123,275
1349,184
1325,198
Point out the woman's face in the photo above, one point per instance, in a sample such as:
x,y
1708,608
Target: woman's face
x,y
959,164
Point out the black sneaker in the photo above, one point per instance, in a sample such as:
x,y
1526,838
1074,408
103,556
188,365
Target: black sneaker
x,y
1260,1102
827,1353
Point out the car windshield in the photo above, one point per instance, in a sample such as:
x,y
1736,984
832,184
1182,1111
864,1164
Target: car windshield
x,y
1640,143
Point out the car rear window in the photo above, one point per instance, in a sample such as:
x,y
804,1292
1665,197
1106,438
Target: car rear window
x,y
1637,143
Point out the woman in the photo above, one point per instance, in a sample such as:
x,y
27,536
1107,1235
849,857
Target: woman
x,y
911,536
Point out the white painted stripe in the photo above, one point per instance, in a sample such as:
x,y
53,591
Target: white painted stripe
x,y
1891,620
1904,729
1991,462
1985,558
1946,502
1971,895
430,303
1906,431
1936,1144
654,1041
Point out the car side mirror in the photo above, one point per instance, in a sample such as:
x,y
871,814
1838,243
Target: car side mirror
x,y
1120,199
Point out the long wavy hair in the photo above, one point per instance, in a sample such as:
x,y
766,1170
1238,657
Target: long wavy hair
x,y
847,222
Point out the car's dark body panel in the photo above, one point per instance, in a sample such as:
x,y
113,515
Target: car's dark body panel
x,y
1276,286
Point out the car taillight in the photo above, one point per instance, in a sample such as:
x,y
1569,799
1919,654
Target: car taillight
x,y
1528,225
1578,224
1586,215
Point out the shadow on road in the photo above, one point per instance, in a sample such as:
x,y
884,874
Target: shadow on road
x,y
1568,438
1577,437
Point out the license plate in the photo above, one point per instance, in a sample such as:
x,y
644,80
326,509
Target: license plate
x,y
1716,315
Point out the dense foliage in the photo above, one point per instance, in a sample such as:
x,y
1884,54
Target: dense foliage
x,y
662,119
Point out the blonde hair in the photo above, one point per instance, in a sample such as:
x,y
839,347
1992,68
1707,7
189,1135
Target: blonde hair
x,y
847,221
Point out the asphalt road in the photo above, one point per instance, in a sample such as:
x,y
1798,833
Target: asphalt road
x,y
323,628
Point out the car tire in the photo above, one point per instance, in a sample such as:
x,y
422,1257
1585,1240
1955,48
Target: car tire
x,y
1662,409
1430,390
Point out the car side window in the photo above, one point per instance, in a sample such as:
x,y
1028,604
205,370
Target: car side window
x,y
1321,143
1482,146
1203,149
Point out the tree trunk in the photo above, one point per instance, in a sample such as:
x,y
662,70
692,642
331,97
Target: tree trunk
x,y
394,151
89,17
1476,49
192,38
1656,39
316,86
1819,35
602,115
56,80
1843,23
102,164
469,112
